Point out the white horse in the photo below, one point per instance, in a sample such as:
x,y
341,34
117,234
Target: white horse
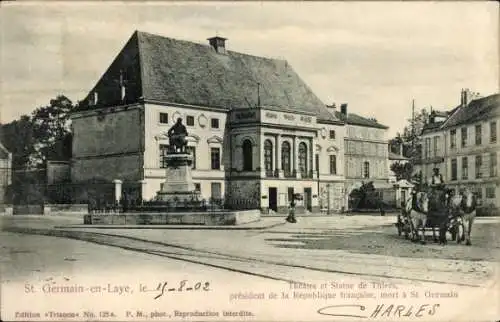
x,y
463,207
418,217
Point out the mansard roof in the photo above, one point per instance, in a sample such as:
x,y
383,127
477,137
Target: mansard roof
x,y
162,69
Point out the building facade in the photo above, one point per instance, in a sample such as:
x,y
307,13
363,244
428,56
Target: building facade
x,y
433,145
365,150
257,133
468,147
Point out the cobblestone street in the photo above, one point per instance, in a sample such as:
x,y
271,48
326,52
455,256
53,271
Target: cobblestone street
x,y
269,255
365,246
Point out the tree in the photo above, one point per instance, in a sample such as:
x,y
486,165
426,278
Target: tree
x,y
45,135
51,129
403,170
17,136
396,143
411,138
412,134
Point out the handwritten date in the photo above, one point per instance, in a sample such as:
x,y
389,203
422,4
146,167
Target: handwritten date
x,y
184,286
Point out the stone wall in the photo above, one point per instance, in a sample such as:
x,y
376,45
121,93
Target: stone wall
x,y
220,218
123,167
107,133
108,145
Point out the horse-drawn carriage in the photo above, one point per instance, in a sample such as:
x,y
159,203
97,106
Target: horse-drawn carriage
x,y
437,210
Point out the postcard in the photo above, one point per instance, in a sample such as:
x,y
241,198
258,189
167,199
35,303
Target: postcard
x,y
249,161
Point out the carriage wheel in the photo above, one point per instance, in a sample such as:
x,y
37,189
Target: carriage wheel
x,y
407,234
453,232
399,224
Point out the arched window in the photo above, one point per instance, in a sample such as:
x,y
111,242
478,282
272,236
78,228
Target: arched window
x,y
247,155
268,156
303,159
285,158
366,169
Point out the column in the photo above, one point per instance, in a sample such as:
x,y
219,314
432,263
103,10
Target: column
x,y
295,158
277,156
312,158
118,190
261,156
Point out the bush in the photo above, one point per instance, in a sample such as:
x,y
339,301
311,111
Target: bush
x,y
366,197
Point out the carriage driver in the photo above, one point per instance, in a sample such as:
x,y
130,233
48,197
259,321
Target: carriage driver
x,y
436,184
436,180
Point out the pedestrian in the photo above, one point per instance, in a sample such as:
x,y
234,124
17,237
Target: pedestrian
x,y
291,212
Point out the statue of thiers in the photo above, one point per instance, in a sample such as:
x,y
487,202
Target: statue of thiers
x,y
178,186
177,137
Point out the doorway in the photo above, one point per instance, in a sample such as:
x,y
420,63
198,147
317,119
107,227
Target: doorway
x,y
308,198
216,192
273,198
290,194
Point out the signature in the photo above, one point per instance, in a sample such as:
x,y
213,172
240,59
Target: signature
x,y
328,310
381,310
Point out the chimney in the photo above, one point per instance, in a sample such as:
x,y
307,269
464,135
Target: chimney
x,y
218,43
467,97
343,109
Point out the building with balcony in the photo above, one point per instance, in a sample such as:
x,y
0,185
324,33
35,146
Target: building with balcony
x,y
257,132
465,147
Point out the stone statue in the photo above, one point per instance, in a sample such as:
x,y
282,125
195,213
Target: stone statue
x,y
177,137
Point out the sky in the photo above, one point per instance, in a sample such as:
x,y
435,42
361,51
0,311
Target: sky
x,y
375,56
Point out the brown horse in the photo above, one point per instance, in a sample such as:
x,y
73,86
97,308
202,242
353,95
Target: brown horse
x,y
463,207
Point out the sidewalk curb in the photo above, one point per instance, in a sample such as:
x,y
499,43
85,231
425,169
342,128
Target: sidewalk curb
x,y
169,227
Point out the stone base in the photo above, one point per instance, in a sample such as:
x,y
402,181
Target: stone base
x,y
180,197
219,218
179,186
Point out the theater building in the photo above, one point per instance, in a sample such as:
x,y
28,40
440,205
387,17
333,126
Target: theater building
x,y
257,132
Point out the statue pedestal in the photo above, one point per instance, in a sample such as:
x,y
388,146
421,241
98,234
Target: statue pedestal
x,y
178,186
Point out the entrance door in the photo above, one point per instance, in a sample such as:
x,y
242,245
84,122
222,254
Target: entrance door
x,y
290,194
403,197
273,198
216,191
308,198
